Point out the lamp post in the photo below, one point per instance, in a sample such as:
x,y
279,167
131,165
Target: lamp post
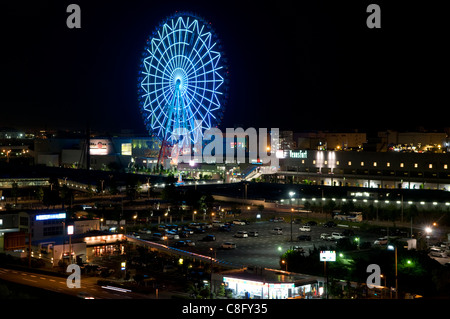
x,y
394,248
291,195
428,230
70,229
284,262
211,266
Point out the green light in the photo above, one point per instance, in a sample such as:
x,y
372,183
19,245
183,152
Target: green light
x,y
341,255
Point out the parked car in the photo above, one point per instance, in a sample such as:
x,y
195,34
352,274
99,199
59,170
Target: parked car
x,y
217,223
241,234
179,243
189,243
184,234
277,219
336,236
277,231
304,237
172,235
305,228
311,223
436,252
325,236
381,241
253,233
225,228
238,222
209,238
157,236
329,224
228,245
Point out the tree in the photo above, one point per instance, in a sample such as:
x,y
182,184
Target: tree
x,y
39,194
329,206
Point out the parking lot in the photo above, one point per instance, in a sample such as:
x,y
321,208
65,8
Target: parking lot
x,y
265,249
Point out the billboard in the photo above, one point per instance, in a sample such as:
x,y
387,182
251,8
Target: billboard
x,y
327,255
15,240
51,216
99,147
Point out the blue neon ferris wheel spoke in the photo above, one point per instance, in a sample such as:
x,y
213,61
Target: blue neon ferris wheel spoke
x,y
181,50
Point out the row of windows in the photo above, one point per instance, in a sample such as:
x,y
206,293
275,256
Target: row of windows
x,y
53,231
375,164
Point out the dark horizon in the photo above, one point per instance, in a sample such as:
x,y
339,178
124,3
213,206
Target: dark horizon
x,y
309,66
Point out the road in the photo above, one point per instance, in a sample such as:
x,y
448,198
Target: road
x,y
58,284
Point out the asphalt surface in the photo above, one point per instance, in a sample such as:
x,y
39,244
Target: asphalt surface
x,y
58,284
264,250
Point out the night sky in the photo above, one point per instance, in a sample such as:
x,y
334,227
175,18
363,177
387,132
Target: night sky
x,y
293,64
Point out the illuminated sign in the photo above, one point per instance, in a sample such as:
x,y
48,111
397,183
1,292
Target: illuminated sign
x,y
327,255
280,154
258,283
298,154
99,147
70,230
51,216
126,148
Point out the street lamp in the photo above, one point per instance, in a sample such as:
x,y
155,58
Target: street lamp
x,y
394,248
428,230
284,262
291,194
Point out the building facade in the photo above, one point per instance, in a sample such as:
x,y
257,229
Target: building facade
x,y
367,169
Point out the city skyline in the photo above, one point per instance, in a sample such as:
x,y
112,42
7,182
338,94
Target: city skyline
x,y
314,66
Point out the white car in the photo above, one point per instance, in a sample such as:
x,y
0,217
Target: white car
x,y
241,234
336,236
305,228
381,241
228,245
436,252
238,222
324,236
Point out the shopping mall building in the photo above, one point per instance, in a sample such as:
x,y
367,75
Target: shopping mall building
x,y
408,170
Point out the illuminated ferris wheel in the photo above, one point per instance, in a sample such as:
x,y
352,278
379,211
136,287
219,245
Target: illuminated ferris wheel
x,y
182,79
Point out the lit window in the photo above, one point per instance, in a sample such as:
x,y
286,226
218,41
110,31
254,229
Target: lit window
x,y
445,166
375,164
314,161
402,165
416,165
337,162
362,163
349,163
303,161
388,164
430,165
